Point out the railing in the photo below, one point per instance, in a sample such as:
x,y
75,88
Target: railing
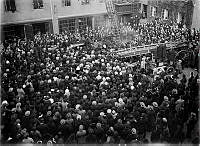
x,y
143,49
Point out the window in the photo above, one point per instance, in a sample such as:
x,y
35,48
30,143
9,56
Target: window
x,y
82,23
165,13
85,2
153,11
144,11
139,7
66,3
38,4
67,25
10,5
178,17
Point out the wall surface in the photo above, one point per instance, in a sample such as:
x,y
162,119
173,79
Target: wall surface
x,y
26,13
76,9
196,17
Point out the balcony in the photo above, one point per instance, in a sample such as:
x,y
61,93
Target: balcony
x,y
125,7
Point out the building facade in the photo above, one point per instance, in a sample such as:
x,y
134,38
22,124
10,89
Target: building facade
x,y
129,11
53,16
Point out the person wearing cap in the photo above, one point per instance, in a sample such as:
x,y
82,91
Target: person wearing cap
x,y
191,122
165,134
91,137
27,121
81,133
100,133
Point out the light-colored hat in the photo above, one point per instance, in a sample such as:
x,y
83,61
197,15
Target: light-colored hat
x,y
164,120
114,112
5,102
78,117
94,103
18,104
13,110
51,100
84,96
102,114
77,106
27,113
62,121
109,111
142,104
132,87
133,131
49,113
155,104
166,98
106,83
78,68
7,62
49,81
66,77
120,100
10,89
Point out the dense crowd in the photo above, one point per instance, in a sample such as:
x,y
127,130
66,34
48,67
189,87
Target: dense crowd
x,y
153,32
52,92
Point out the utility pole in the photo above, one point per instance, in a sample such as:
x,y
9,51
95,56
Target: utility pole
x,y
54,17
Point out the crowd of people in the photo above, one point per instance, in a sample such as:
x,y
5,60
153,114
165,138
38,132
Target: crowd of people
x,y
54,92
156,31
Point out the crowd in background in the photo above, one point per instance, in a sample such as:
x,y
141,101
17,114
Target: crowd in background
x,y
52,92
153,32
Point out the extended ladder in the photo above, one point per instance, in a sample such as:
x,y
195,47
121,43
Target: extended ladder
x,y
112,16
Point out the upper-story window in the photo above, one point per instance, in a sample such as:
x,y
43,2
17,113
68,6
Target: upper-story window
x,y
85,2
38,4
66,3
153,11
165,14
10,5
144,11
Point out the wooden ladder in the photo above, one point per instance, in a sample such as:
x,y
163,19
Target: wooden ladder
x,y
112,16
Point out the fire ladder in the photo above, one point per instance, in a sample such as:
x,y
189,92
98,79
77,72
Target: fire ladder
x,y
112,16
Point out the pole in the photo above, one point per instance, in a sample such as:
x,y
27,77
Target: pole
x,y
53,17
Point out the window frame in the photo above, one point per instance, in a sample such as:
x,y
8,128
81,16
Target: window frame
x,y
85,2
66,3
38,4
11,7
